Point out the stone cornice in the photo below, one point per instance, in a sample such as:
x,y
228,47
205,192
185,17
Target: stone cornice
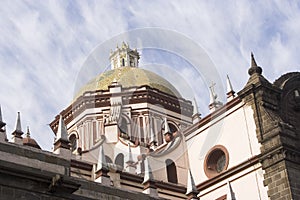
x,y
149,95
67,186
33,153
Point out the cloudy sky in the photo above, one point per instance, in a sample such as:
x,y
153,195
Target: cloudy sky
x,y
44,44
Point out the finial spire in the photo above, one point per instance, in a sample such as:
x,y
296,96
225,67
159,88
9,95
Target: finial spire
x,y
191,189
62,133
230,92
102,168
28,132
213,96
101,164
148,171
230,194
3,137
1,114
254,69
130,158
130,162
18,131
149,184
253,62
17,134
18,124
124,45
213,103
62,143
2,124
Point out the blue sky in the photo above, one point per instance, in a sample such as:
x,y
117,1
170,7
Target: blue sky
x,y
43,45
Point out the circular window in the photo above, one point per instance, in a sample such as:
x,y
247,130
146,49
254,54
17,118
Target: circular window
x,y
216,161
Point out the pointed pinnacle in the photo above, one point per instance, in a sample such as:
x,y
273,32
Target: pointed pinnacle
x,y
18,124
230,194
62,130
124,44
18,131
211,96
253,62
229,85
130,159
254,69
28,132
148,171
1,120
1,114
167,128
191,186
101,164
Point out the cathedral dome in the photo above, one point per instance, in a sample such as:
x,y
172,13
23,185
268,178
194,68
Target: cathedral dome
x,y
129,77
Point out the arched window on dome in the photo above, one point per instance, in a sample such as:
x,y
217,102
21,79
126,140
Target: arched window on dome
x,y
171,171
143,166
73,142
131,61
123,62
123,125
120,160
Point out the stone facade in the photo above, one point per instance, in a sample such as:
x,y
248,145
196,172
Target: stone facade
x,y
30,173
121,139
277,120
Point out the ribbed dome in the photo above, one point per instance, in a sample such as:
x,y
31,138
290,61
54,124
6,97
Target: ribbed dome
x,y
129,77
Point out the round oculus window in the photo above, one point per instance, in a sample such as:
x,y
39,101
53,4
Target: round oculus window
x,y
216,161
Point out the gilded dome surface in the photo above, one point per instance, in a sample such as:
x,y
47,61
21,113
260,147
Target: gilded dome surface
x,y
129,77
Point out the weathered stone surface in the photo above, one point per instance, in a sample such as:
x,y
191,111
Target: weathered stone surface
x,y
277,132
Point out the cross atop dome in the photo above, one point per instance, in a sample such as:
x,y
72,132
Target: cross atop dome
x,y
124,57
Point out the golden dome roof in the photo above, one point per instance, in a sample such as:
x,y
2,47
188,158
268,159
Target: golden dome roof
x,y
129,77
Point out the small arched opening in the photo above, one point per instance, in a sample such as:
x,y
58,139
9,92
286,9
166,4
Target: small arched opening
x,y
120,160
171,171
73,142
123,125
123,62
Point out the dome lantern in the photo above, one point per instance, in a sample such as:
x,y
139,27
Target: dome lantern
x,y
124,57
